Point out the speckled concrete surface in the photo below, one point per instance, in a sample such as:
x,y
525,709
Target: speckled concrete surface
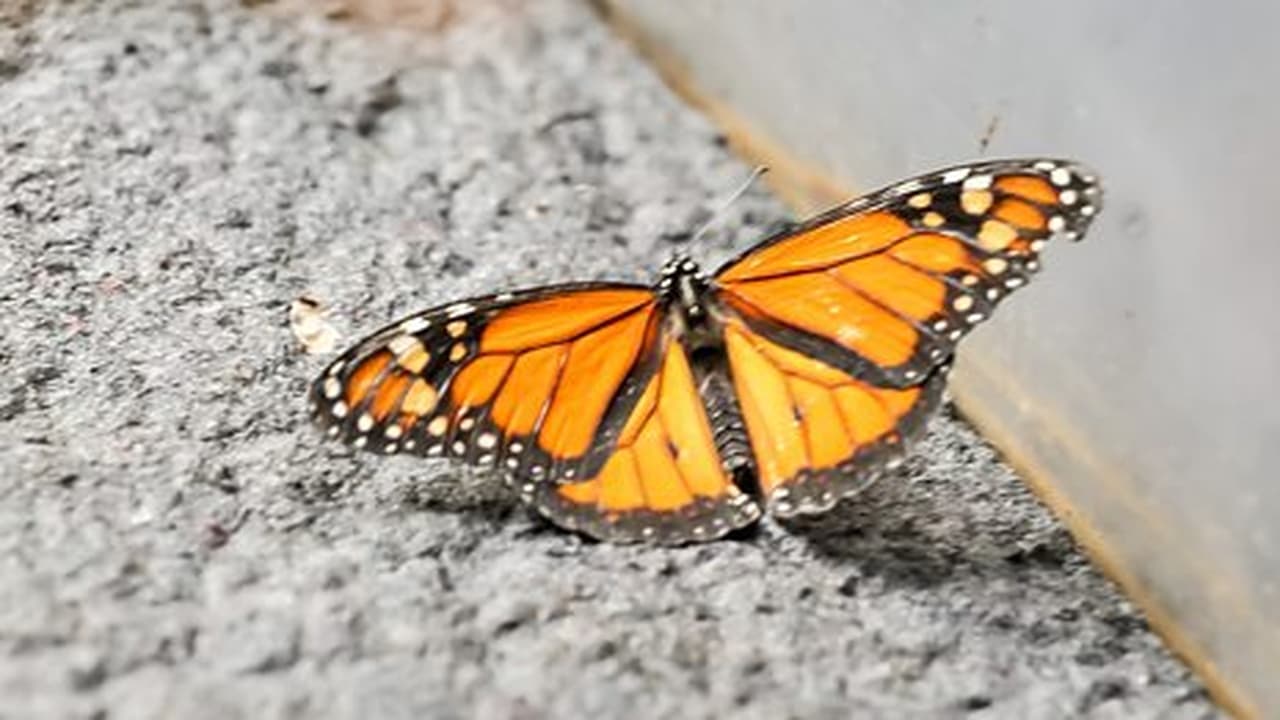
x,y
177,541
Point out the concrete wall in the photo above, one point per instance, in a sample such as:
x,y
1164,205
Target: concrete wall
x,y
1136,382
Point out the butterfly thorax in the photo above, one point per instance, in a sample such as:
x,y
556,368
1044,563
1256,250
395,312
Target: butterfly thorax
x,y
685,291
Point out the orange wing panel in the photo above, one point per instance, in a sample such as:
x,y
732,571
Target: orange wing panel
x,y
616,489
388,395
519,404
838,241
1021,214
826,438
933,252
365,376
777,439
557,319
476,383
595,368
892,284
820,304
1031,187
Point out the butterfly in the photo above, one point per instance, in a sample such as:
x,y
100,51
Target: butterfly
x,y
792,376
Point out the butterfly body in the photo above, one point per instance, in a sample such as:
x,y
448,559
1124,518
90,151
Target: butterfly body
x,y
794,375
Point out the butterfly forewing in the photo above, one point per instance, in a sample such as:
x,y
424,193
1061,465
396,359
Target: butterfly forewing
x,y
528,382
888,283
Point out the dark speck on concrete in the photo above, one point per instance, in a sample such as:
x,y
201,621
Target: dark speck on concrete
x,y
382,99
176,540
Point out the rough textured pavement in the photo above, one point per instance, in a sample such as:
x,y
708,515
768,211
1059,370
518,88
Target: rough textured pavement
x,y
177,541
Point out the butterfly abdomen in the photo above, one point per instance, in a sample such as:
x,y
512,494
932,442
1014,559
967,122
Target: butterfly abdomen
x,y
728,430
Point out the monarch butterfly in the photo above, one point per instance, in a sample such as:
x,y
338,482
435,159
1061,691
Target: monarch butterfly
x,y
792,376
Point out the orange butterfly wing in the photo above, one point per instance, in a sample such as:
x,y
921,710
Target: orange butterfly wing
x,y
535,383
664,482
886,285
839,332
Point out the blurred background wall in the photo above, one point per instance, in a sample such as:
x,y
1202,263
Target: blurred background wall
x,y
1136,384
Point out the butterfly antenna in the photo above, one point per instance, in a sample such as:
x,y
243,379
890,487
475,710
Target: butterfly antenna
x,y
719,214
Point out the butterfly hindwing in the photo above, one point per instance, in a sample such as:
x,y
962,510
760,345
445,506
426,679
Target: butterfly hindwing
x,y
818,433
664,481
890,282
532,383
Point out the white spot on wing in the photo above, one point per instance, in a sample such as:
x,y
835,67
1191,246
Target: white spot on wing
x,y
414,325
401,344
438,425
908,186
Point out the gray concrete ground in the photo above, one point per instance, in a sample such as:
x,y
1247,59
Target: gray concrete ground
x,y
176,541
